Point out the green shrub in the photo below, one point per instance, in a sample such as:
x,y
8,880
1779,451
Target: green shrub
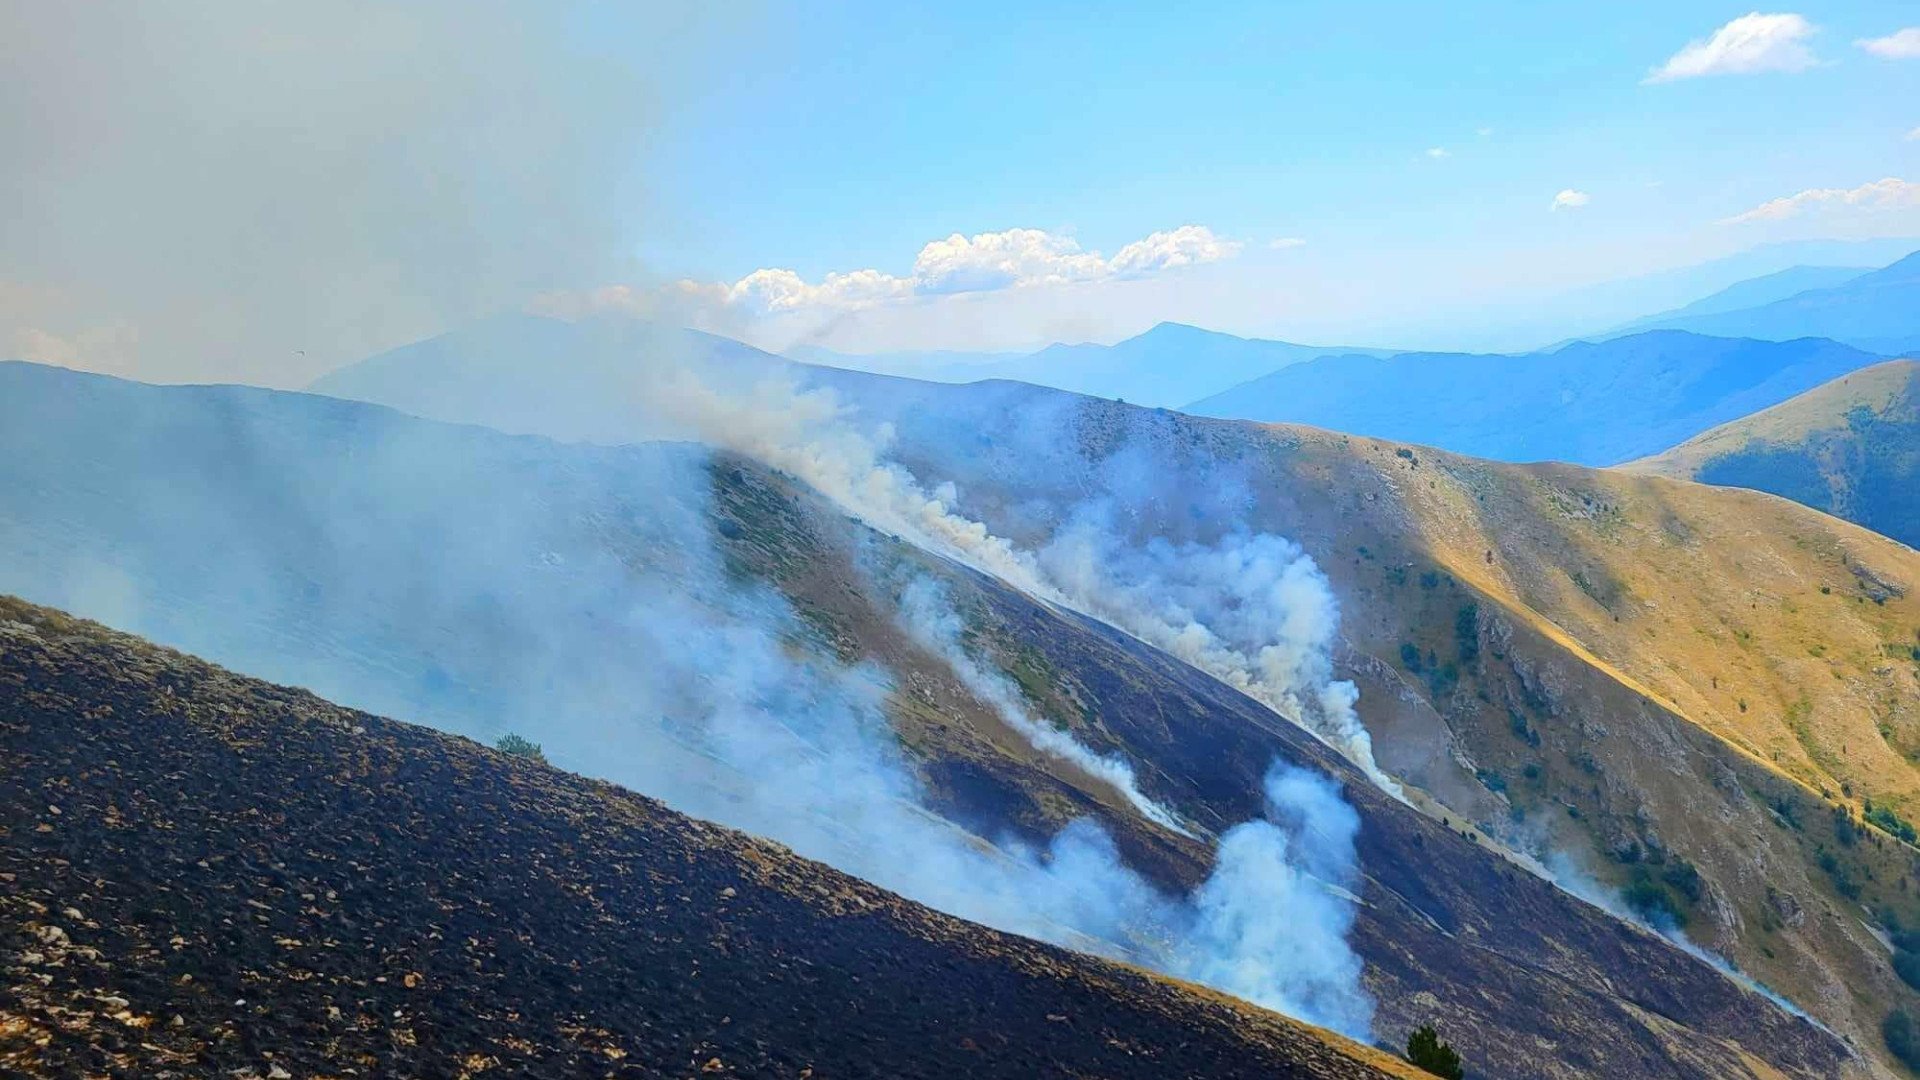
x,y
1843,881
1684,878
1891,823
1907,965
1902,1037
1410,656
1647,899
1427,1052
519,747
1466,628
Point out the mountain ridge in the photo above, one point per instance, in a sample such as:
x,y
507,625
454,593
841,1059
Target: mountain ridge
x,y
1850,447
1589,403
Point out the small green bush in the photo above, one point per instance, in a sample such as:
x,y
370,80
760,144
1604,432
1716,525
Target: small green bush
x,y
1891,823
519,747
1654,904
1907,965
1902,1037
1427,1052
1466,630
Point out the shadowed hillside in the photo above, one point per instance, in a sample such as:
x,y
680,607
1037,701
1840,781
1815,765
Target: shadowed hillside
x,y
207,875
1850,448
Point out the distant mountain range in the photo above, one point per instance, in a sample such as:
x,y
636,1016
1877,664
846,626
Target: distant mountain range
x,y
1878,310
1752,292
1174,365
1590,403
1850,447
1166,366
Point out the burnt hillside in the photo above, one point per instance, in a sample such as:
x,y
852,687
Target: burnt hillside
x,y
201,874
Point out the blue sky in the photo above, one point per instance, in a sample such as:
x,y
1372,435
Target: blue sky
x,y
847,137
223,189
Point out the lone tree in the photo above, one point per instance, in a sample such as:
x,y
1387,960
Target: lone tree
x,y
1425,1050
519,747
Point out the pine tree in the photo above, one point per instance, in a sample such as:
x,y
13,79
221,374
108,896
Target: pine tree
x,y
1425,1050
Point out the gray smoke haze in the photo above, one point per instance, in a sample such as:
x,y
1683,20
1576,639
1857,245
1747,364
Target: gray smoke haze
x,y
210,190
574,595
1253,610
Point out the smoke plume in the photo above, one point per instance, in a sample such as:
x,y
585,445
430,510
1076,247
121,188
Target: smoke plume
x,y
575,595
926,615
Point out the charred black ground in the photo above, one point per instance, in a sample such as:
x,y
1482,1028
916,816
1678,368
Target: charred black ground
x,y
202,873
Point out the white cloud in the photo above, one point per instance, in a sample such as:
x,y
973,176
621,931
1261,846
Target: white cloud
x,y
1188,245
1914,135
1438,152
1569,199
1899,45
1749,44
1282,243
1888,194
1483,132
983,262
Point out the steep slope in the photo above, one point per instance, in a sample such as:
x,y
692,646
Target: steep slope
x,y
210,875
1690,692
1591,403
1850,448
1879,311
500,583
1752,292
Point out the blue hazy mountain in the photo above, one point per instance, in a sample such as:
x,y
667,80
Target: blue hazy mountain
x,y
937,365
1878,310
525,374
1752,292
1168,365
1591,403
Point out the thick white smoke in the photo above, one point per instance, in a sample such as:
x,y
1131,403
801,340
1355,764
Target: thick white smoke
x,y
575,596
1271,878
1268,925
927,615
740,729
1253,610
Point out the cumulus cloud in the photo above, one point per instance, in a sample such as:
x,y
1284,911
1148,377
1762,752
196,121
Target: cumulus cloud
x,y
1569,199
1188,245
983,262
1899,45
1748,45
1000,260
1888,194
1438,152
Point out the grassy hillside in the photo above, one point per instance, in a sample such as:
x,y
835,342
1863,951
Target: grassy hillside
x,y
1850,447
209,875
489,578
